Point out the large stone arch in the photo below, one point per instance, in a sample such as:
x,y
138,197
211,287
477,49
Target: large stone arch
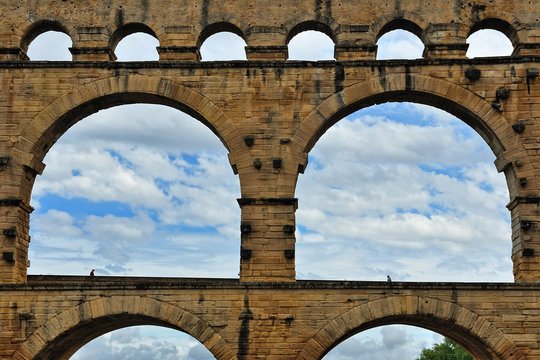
x,y
63,334
43,131
475,333
474,110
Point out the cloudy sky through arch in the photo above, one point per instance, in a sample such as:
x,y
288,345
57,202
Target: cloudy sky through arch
x,y
412,197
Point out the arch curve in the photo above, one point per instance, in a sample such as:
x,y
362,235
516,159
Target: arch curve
x,y
403,20
43,131
468,106
63,334
311,25
496,20
36,28
128,29
476,334
220,26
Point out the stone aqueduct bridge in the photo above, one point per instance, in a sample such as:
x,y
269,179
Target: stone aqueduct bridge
x,y
268,112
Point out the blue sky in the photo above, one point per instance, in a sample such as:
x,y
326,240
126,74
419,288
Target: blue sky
x,y
147,190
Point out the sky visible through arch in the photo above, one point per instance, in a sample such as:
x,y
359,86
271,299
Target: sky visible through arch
x,y
145,190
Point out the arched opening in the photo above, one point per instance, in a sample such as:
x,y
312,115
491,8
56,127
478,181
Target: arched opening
x,y
398,182
391,342
399,44
222,41
137,47
311,40
140,190
489,42
59,338
50,46
223,46
472,332
135,42
144,342
311,45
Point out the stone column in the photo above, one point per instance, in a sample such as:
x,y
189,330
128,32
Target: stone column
x,y
525,215
14,220
267,247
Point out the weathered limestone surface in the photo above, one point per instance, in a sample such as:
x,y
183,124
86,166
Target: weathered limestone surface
x,y
269,113
53,316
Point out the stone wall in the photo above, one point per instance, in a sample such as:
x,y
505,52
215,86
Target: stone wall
x,y
269,113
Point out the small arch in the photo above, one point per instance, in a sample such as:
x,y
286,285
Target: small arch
x,y
219,27
50,46
488,42
399,44
39,27
311,25
401,24
476,334
311,40
63,334
311,45
127,30
137,46
492,37
495,23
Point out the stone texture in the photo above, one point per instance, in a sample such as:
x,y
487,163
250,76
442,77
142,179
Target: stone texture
x,y
267,315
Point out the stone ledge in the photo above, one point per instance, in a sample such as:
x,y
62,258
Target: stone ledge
x,y
267,63
65,282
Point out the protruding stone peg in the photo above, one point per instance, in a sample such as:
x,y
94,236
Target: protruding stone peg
x,y
473,74
289,254
245,254
8,257
10,232
532,73
528,252
518,128
502,93
257,163
289,229
526,224
245,228
249,140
